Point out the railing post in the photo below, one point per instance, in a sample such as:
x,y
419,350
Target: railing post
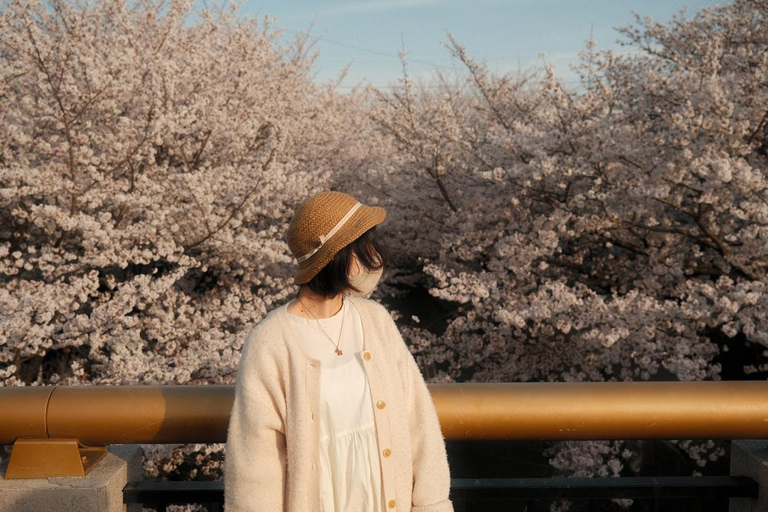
x,y
100,490
750,458
47,457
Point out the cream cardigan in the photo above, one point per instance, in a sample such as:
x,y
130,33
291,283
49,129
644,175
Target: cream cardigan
x,y
272,449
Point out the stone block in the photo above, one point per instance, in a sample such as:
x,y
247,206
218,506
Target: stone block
x,y
101,490
750,458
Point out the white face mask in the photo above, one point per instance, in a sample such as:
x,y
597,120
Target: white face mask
x,y
366,280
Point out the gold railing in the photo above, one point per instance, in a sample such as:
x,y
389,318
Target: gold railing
x,y
63,430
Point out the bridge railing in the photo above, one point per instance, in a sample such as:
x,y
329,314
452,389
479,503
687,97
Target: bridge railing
x,y
63,431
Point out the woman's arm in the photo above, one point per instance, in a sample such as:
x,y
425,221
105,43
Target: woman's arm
x,y
255,456
431,474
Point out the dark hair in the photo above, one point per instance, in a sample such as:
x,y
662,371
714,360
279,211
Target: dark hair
x,y
332,278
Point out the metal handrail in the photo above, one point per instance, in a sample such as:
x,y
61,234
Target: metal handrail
x,y
98,415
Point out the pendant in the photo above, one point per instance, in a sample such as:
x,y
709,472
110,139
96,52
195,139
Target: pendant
x,y
338,351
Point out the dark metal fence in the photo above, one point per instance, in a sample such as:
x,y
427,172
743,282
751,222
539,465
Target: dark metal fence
x,y
479,494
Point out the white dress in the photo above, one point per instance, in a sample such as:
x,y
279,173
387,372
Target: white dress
x,y
349,459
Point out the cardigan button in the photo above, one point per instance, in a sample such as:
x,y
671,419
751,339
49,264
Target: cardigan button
x,y
387,452
381,404
392,503
367,355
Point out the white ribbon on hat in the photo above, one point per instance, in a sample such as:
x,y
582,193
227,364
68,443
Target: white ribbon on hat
x,y
324,238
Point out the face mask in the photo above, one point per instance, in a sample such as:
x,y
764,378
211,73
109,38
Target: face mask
x,y
366,280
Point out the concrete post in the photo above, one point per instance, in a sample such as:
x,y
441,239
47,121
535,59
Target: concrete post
x,y
750,458
101,490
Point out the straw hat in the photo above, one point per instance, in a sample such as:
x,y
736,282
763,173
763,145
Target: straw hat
x,y
322,225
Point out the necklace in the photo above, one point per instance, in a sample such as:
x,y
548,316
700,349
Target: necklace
x,y
338,350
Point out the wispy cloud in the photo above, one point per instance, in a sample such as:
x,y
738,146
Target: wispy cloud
x,y
362,6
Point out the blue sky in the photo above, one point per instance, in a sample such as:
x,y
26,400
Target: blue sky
x,y
507,34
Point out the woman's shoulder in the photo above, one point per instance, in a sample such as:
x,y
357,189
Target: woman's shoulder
x,y
265,336
383,323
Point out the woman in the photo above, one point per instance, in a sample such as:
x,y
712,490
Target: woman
x,y
331,412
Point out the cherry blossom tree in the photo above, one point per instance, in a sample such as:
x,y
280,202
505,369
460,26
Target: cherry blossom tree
x,y
148,169
606,232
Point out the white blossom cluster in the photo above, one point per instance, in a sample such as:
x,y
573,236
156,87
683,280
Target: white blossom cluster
x,y
148,168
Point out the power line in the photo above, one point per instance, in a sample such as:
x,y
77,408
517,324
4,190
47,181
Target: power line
x,y
429,86
376,52
325,39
